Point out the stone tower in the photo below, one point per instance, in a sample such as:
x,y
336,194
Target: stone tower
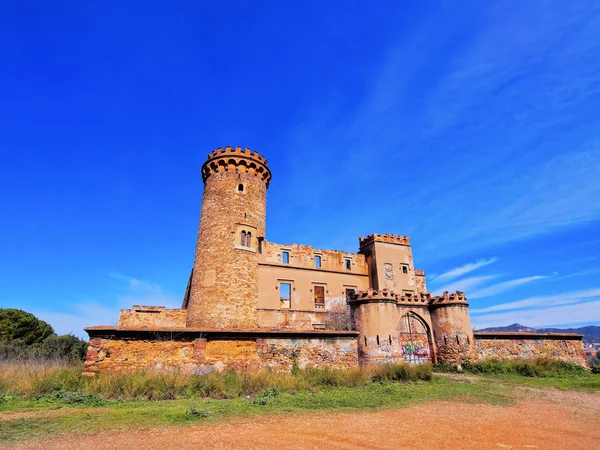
x,y
223,291
452,328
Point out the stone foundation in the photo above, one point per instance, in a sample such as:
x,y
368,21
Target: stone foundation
x,y
514,345
119,349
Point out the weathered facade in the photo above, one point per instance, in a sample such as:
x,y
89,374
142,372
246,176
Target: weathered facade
x,y
252,304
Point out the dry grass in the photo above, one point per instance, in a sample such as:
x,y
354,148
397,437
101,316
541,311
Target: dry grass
x,y
44,379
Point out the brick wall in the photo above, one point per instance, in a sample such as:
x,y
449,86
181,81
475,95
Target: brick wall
x,y
124,350
507,346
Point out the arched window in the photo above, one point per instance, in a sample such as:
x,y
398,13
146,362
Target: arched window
x,y
249,239
243,239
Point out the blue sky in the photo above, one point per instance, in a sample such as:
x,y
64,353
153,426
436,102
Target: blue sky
x,y
470,126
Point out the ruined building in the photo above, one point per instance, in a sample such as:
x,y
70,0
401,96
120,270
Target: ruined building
x,y
252,304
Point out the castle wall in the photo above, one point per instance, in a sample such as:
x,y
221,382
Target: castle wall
x,y
197,352
515,345
152,316
302,274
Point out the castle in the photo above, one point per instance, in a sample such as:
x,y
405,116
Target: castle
x,y
252,304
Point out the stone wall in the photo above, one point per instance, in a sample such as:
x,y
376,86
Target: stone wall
x,y
506,346
117,349
152,317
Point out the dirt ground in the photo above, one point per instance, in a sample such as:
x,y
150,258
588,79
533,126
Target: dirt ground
x,y
562,420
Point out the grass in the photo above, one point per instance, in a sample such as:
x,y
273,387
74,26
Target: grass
x,y
37,384
50,400
52,415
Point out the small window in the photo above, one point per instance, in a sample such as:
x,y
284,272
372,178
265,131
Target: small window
x,y
348,264
349,294
317,261
319,296
377,339
404,268
243,239
249,239
285,257
240,187
390,336
457,339
365,341
285,295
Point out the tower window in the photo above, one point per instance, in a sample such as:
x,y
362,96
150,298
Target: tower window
x,y
285,295
249,239
404,268
285,257
240,187
317,261
243,239
348,264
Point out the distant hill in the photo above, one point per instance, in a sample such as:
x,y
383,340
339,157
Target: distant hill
x,y
591,334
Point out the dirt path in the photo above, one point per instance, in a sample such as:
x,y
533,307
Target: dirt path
x,y
559,421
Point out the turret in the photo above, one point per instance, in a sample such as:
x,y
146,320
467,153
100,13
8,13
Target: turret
x,y
223,291
452,328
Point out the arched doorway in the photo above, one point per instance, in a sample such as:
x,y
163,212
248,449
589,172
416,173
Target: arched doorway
x,y
414,339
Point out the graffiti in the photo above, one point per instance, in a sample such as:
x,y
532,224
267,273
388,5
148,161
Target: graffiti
x,y
273,350
202,370
414,340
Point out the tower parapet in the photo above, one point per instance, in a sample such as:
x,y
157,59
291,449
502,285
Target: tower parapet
x,y
236,159
388,238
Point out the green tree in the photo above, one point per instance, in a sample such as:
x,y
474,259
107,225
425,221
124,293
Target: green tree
x,y
65,347
20,327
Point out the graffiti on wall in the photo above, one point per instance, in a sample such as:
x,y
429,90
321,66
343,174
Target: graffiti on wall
x,y
414,340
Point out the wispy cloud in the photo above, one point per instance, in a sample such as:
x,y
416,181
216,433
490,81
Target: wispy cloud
x,y
463,270
89,312
542,301
504,286
588,312
464,284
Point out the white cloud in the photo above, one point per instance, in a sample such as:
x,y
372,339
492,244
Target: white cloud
x,y
462,270
542,301
464,284
92,312
504,286
554,316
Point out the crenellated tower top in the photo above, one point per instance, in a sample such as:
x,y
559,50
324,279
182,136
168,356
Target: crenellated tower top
x,y
446,298
388,238
236,159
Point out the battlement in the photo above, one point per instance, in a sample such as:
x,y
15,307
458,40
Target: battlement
x,y
236,159
419,273
418,298
447,298
374,294
388,238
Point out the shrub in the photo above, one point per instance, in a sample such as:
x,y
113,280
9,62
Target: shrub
x,y
193,413
523,367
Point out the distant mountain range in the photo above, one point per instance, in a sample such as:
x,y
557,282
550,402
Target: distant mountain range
x,y
591,334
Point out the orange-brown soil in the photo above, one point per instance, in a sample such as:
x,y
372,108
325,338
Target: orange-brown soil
x,y
560,421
